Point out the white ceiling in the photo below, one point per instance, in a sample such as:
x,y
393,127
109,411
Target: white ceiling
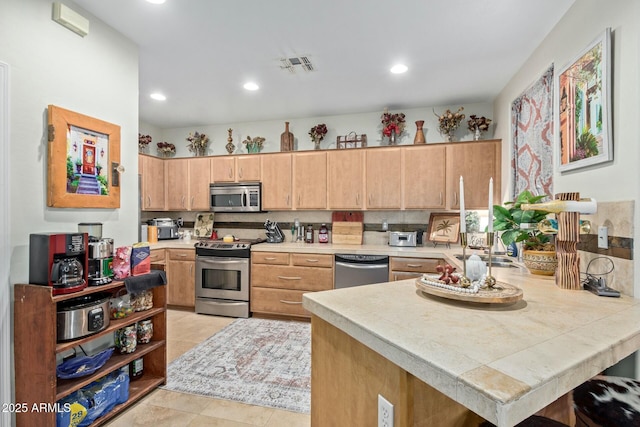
x,y
200,53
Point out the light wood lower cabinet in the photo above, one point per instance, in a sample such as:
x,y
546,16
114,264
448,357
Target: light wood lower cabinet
x,y
278,281
181,288
408,268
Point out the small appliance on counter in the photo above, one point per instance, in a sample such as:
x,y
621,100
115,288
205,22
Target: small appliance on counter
x,y
82,316
58,260
167,228
100,254
274,233
402,238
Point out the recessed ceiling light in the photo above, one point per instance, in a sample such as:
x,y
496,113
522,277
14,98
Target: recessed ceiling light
x,y
158,97
399,69
251,86
156,1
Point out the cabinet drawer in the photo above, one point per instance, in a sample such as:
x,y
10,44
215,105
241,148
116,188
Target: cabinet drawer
x,y
419,265
274,258
312,260
157,256
182,254
285,277
402,275
278,301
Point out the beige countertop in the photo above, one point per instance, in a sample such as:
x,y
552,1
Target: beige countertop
x,y
173,244
502,362
330,248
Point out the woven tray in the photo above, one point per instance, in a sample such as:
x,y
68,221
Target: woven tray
x,y
502,293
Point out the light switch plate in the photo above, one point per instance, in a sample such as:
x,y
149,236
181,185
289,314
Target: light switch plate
x,y
603,237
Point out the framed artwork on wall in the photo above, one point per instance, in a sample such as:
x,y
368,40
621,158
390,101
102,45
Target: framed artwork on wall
x,y
83,161
583,107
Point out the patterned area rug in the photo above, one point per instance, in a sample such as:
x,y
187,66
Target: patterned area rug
x,y
256,361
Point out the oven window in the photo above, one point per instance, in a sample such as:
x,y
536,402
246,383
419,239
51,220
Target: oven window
x,y
222,200
228,280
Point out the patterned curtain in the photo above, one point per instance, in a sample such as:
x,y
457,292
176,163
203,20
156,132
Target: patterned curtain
x,y
532,136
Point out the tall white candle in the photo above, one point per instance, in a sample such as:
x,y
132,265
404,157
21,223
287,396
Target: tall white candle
x,y
463,223
490,229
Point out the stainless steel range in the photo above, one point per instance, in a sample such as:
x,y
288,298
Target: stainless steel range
x,y
222,277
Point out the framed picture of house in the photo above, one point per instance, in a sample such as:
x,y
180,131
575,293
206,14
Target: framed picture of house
x,y
83,161
444,228
583,107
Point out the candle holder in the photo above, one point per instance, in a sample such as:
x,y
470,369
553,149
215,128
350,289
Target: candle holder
x,y
464,280
490,281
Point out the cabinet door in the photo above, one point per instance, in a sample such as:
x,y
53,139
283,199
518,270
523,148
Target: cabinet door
x,y
310,180
153,196
423,177
223,169
276,181
382,178
248,168
181,289
177,184
199,180
346,179
476,162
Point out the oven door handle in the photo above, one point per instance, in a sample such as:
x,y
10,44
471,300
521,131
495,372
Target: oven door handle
x,y
217,260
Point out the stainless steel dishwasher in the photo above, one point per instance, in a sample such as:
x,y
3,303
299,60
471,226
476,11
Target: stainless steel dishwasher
x,y
356,270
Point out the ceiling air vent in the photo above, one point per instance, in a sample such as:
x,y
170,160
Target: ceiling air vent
x,y
297,62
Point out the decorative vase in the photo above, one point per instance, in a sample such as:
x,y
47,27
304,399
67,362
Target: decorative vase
x,y
200,151
253,148
449,135
286,139
316,144
419,138
540,262
230,147
392,138
476,135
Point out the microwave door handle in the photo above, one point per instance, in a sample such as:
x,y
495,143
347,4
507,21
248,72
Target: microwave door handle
x,y
244,199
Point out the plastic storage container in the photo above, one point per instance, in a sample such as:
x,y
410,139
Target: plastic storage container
x,y
323,234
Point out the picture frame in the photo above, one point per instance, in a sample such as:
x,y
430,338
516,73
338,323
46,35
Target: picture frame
x,y
444,228
83,168
583,107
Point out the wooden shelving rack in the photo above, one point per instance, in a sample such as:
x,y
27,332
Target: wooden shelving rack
x,y
35,350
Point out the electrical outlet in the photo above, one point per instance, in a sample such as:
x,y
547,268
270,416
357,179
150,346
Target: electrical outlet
x,y
603,237
385,412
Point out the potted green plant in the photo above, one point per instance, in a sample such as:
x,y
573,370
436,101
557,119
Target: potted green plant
x,y
520,226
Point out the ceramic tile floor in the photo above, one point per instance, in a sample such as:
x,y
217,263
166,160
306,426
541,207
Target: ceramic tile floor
x,y
163,408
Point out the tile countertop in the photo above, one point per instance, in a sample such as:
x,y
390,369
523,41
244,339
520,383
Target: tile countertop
x,y
503,362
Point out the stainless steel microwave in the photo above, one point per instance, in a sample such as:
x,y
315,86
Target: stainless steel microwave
x,y
236,197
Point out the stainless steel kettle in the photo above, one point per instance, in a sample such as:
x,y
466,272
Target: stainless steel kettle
x,y
66,272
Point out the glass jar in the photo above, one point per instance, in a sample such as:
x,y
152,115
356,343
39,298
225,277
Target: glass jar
x,y
126,339
145,331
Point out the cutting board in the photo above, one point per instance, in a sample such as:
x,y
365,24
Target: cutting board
x,y
347,216
346,232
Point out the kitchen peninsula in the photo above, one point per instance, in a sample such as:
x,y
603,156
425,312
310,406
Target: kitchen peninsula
x,y
444,362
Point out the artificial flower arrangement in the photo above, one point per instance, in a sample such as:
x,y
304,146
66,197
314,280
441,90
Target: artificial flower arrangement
x,y
166,148
318,132
254,145
478,123
392,123
143,141
449,121
197,142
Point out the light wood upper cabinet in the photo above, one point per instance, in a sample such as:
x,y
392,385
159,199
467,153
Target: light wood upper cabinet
x,y
476,162
153,177
235,168
310,180
223,169
383,179
199,180
276,181
423,177
177,184
248,168
346,179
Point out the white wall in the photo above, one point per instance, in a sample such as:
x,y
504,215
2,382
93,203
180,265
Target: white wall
x,y
586,20
364,123
97,76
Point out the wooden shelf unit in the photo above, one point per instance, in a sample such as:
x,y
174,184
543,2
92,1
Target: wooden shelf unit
x,y
36,347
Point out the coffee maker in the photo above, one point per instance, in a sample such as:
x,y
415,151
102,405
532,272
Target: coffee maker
x,y
58,260
100,254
